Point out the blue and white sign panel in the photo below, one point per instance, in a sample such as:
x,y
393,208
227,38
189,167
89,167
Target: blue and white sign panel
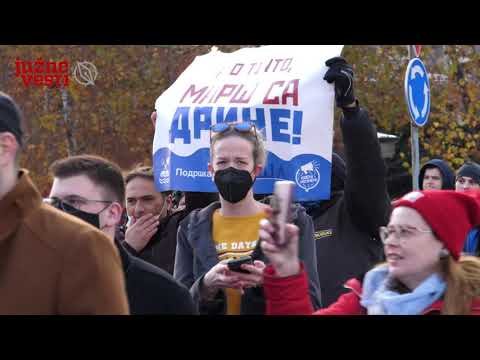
x,y
417,91
280,89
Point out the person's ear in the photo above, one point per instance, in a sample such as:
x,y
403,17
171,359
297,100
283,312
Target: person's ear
x,y
169,200
8,148
114,214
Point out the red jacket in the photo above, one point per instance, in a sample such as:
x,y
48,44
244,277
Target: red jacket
x,y
289,296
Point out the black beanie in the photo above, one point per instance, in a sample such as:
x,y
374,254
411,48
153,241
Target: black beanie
x,y
10,117
471,170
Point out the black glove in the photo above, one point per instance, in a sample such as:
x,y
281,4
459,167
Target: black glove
x,y
341,73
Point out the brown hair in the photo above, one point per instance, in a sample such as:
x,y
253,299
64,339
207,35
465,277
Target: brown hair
x,y
144,172
253,136
100,171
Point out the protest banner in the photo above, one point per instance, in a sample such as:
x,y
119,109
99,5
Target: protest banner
x,y
279,89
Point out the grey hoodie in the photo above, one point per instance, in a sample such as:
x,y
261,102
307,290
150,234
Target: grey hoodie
x,y
196,255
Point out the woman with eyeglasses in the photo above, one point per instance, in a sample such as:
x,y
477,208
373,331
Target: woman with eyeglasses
x,y
424,273
229,229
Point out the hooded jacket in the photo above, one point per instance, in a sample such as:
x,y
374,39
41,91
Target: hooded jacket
x,y
448,176
196,255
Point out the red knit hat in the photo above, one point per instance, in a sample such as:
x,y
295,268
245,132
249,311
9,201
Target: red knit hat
x,y
450,214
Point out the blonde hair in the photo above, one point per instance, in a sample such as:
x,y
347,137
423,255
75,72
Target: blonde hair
x,y
462,280
253,136
463,284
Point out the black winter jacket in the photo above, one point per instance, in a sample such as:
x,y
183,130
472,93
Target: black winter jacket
x,y
346,226
150,290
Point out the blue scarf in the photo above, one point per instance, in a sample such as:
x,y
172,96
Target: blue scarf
x,y
471,244
378,300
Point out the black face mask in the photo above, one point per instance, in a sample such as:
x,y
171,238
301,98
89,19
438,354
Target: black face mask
x,y
91,218
233,184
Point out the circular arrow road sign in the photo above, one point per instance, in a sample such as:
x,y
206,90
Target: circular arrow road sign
x,y
417,91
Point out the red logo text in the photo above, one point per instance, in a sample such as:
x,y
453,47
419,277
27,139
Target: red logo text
x,y
43,73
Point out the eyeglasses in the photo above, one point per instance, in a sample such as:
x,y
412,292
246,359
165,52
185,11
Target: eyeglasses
x,y
76,203
241,127
404,233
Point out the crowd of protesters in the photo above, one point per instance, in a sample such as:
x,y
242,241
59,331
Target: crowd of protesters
x,y
107,242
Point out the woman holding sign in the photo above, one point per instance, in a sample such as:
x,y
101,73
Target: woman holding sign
x,y
217,256
424,272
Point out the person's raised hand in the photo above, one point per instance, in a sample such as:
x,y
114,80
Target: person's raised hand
x,y
284,258
341,73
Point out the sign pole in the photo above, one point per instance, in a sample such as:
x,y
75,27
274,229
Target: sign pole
x,y
414,136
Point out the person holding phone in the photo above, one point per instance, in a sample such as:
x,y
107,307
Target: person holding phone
x,y
227,231
425,272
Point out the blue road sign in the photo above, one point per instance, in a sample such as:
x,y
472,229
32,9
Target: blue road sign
x,y
417,91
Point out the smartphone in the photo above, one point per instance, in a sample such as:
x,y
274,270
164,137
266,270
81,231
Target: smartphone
x,y
282,209
235,264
